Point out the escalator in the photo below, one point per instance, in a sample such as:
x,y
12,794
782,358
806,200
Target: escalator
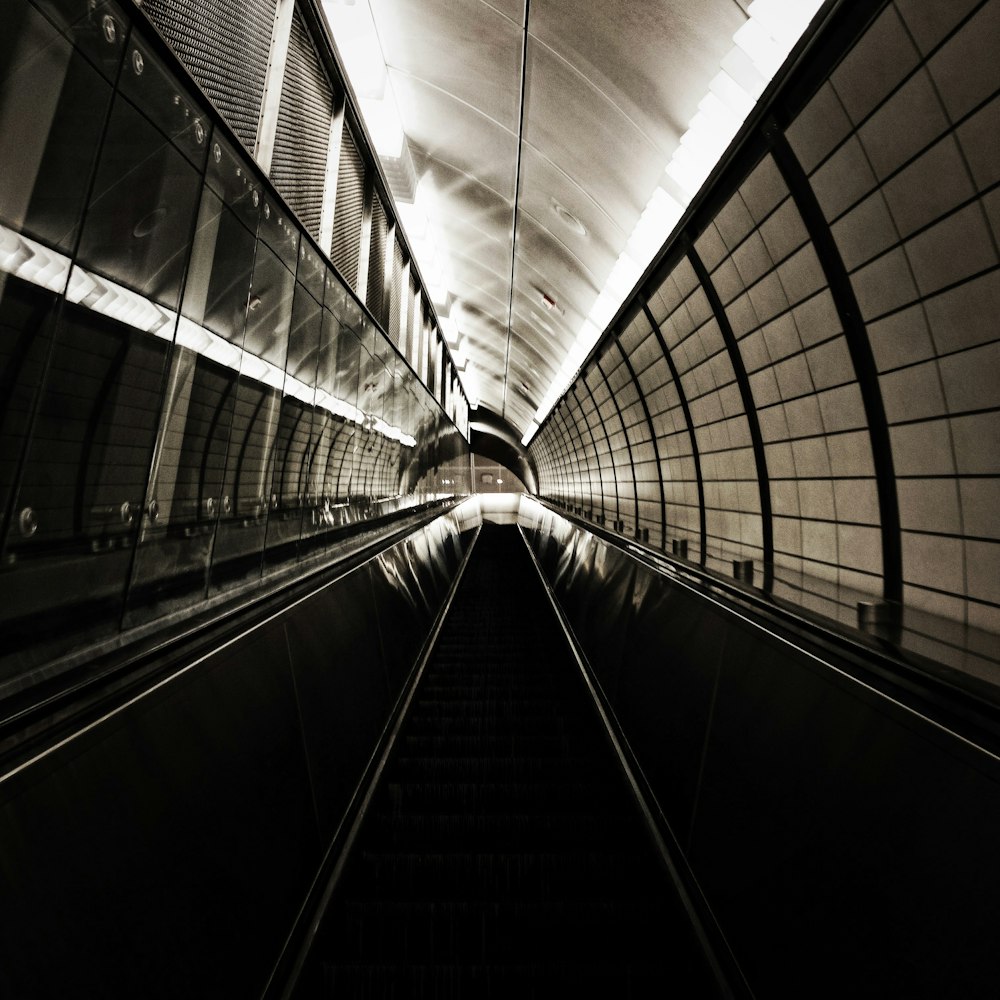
x,y
502,854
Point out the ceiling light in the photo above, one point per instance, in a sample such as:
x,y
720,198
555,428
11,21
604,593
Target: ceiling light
x,y
568,218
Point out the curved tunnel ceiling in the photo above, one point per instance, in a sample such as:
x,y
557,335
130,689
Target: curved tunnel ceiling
x,y
538,132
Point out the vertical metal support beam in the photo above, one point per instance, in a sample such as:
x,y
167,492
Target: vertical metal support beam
x,y
746,395
686,410
656,447
859,347
277,60
329,209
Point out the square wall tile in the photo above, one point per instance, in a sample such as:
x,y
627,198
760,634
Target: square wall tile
x,y
929,505
932,603
684,277
966,69
803,417
787,532
860,548
781,337
801,274
816,499
754,352
734,222
922,449
830,364
783,231
884,285
856,500
768,296
864,231
928,188
953,249
779,461
930,22
978,138
901,338
773,424
752,259
909,121
844,179
972,378
764,189
819,128
742,316
912,393
811,457
934,561
851,454
793,377
764,388
842,408
819,541
881,58
817,318
710,247
983,567
727,281
980,507
862,583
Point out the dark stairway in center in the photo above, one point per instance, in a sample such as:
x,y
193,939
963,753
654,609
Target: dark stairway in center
x,y
503,855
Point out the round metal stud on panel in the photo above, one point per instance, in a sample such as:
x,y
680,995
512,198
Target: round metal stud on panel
x,y
125,512
255,197
267,211
27,522
138,64
199,131
209,506
274,501
217,152
153,511
110,29
227,505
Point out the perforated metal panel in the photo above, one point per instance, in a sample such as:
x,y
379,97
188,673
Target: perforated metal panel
x,y
349,210
375,297
225,46
397,307
301,144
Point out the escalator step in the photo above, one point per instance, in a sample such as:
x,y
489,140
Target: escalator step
x,y
501,854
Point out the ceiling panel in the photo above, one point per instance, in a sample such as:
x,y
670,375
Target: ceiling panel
x,y
653,61
607,91
483,70
444,128
587,137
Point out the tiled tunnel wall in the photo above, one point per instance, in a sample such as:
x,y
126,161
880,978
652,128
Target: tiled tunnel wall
x,y
818,352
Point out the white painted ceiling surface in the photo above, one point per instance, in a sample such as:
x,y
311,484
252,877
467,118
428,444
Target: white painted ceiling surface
x,y
539,131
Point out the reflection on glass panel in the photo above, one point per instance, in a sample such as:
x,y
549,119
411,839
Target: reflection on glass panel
x,y
187,393
242,507
141,209
53,104
294,432
188,468
83,483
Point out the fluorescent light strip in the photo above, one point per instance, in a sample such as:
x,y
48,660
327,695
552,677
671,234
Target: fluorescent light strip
x,y
760,47
24,258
